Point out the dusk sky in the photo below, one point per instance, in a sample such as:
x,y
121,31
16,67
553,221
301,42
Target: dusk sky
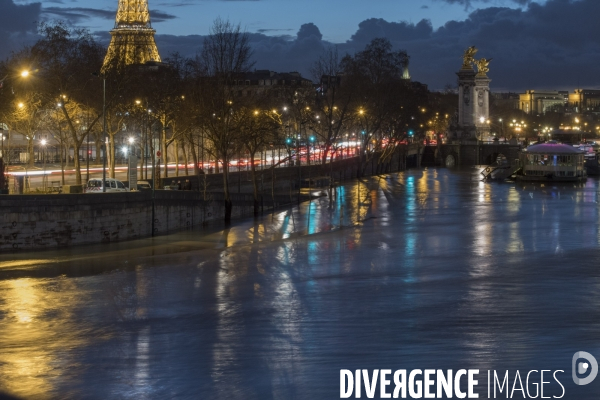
x,y
541,44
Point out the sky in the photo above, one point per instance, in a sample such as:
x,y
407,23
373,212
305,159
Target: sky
x,y
535,44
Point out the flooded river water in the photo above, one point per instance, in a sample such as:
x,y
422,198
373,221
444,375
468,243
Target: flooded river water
x,y
422,269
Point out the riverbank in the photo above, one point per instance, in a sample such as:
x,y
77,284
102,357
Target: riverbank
x,y
37,222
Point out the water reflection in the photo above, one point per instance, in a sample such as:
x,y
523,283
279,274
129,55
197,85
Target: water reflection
x,y
419,269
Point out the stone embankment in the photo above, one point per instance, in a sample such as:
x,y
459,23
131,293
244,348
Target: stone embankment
x,y
31,222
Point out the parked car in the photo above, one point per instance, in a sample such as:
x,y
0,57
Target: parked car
x,y
94,185
143,185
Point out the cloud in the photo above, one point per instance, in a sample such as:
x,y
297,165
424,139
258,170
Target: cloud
x,y
77,14
281,53
469,3
17,25
553,45
16,18
159,16
273,30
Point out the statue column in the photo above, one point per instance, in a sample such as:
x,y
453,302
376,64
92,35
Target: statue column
x,y
482,104
466,97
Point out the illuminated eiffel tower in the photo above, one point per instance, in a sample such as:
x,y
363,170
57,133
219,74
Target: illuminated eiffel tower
x,y
133,37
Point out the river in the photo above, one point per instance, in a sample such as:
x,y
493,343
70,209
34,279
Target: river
x,y
421,269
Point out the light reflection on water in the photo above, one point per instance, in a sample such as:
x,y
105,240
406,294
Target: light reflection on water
x,y
423,269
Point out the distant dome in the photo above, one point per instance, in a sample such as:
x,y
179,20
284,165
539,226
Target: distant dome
x,y
552,148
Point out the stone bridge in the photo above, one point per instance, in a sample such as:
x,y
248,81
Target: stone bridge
x,y
475,154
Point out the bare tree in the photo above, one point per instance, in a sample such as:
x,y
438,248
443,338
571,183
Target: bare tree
x,y
26,119
332,110
66,58
55,124
376,76
259,127
225,57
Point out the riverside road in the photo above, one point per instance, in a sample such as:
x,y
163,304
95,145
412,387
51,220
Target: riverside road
x,y
420,269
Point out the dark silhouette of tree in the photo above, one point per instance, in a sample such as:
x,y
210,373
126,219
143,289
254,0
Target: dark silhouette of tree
x,y
65,59
225,57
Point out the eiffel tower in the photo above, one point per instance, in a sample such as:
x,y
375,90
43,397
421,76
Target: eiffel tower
x,y
133,37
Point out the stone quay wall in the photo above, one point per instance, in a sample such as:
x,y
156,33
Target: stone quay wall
x,y
35,222
31,222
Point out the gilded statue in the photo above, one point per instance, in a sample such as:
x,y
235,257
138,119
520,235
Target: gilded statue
x,y
482,66
469,57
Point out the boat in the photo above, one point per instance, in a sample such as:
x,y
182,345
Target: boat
x,y
552,161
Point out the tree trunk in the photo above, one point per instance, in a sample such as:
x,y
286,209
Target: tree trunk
x,y
141,162
30,152
185,159
195,158
111,158
164,151
325,153
196,166
63,151
226,194
76,147
273,186
254,185
176,151
98,143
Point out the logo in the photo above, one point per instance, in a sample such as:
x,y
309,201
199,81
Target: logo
x,y
582,367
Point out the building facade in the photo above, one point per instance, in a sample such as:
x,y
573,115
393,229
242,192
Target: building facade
x,y
540,101
261,81
584,99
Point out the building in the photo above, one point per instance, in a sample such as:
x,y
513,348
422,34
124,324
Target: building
x,y
540,101
505,100
584,99
261,81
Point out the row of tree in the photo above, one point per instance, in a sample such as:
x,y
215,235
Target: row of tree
x,y
197,105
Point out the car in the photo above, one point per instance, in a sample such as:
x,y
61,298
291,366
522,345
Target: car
x,y
94,185
143,185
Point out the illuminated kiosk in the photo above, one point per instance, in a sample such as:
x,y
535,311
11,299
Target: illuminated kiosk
x,y
552,162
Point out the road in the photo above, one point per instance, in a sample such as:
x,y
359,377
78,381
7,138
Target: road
x,y
50,176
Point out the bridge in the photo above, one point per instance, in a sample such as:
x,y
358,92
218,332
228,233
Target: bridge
x,y
460,154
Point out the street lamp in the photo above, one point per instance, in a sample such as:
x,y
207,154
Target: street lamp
x,y
103,77
104,132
